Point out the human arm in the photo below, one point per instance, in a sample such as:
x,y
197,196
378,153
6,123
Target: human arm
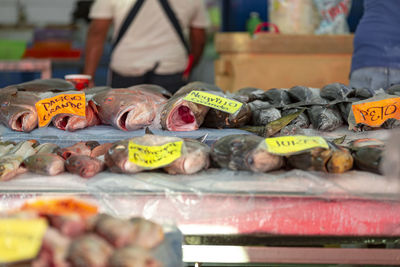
x,y
197,43
96,38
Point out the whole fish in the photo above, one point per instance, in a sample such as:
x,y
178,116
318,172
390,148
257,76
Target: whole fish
x,y
181,115
45,85
117,157
70,123
301,121
277,97
368,154
264,116
195,159
10,163
80,148
325,118
220,119
127,109
244,152
17,109
45,164
335,91
85,166
249,94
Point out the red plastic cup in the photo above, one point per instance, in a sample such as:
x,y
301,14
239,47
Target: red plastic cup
x,y
80,81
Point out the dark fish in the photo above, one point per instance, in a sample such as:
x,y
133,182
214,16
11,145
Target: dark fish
x,y
244,152
249,94
300,93
89,250
70,123
45,164
394,90
273,127
80,148
301,121
263,116
127,109
335,91
339,140
152,88
17,110
324,118
315,159
85,166
220,119
278,97
194,159
46,85
133,256
368,154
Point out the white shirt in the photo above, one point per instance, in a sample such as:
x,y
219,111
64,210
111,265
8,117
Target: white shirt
x,y
151,37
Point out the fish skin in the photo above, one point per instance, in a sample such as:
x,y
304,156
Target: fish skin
x,y
17,110
249,94
324,118
10,163
335,91
47,148
100,150
369,158
277,97
71,123
149,234
127,109
315,159
133,256
265,116
300,93
196,158
302,121
244,152
85,166
341,160
80,148
220,119
45,85
45,163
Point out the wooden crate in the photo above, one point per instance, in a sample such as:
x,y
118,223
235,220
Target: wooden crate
x,y
281,61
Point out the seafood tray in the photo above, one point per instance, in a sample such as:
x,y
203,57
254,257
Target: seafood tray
x,y
105,134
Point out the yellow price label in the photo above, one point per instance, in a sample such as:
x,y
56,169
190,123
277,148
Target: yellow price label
x,y
154,156
214,101
74,104
287,145
20,239
376,113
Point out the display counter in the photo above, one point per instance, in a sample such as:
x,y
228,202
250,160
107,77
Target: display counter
x,y
281,61
237,217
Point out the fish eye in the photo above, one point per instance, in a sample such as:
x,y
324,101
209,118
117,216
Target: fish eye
x,y
109,99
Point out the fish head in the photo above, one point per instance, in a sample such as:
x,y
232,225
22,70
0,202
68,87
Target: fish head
x,y
22,118
9,167
85,166
45,163
80,148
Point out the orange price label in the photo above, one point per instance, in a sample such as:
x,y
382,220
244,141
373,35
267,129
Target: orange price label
x,y
377,112
61,207
64,103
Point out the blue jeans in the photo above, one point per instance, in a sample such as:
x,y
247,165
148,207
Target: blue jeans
x,y
374,78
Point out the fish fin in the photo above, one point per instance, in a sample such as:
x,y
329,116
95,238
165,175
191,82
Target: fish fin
x,y
148,131
275,126
339,140
203,138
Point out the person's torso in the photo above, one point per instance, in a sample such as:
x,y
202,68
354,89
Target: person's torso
x,y
377,38
151,37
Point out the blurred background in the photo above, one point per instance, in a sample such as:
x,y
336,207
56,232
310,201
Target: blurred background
x,y
54,31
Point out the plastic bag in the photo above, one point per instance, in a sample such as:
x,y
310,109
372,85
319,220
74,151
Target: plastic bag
x,y
293,16
333,16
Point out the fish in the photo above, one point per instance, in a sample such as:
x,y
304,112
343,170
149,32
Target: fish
x,y
315,159
152,88
83,165
45,163
325,118
89,250
249,94
181,115
335,91
277,97
47,148
301,121
133,256
394,90
10,163
148,233
341,160
71,123
368,154
80,148
273,127
17,110
265,116
45,85
117,157
220,119
195,159
127,109
300,93
244,152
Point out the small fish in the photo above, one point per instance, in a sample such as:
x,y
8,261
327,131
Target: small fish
x,y
249,94
301,121
45,164
265,116
335,91
277,97
80,148
244,152
300,93
195,159
324,118
85,166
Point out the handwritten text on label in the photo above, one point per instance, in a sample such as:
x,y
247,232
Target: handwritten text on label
x,y
377,112
214,101
287,145
154,156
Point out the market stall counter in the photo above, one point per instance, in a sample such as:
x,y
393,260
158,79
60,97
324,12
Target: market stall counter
x,y
221,212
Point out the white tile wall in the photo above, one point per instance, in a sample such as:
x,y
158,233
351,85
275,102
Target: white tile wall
x,y
38,11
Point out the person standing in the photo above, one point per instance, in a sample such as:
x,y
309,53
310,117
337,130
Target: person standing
x,y
376,56
149,40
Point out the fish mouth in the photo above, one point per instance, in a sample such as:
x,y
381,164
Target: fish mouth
x,y
63,123
23,122
182,119
123,118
